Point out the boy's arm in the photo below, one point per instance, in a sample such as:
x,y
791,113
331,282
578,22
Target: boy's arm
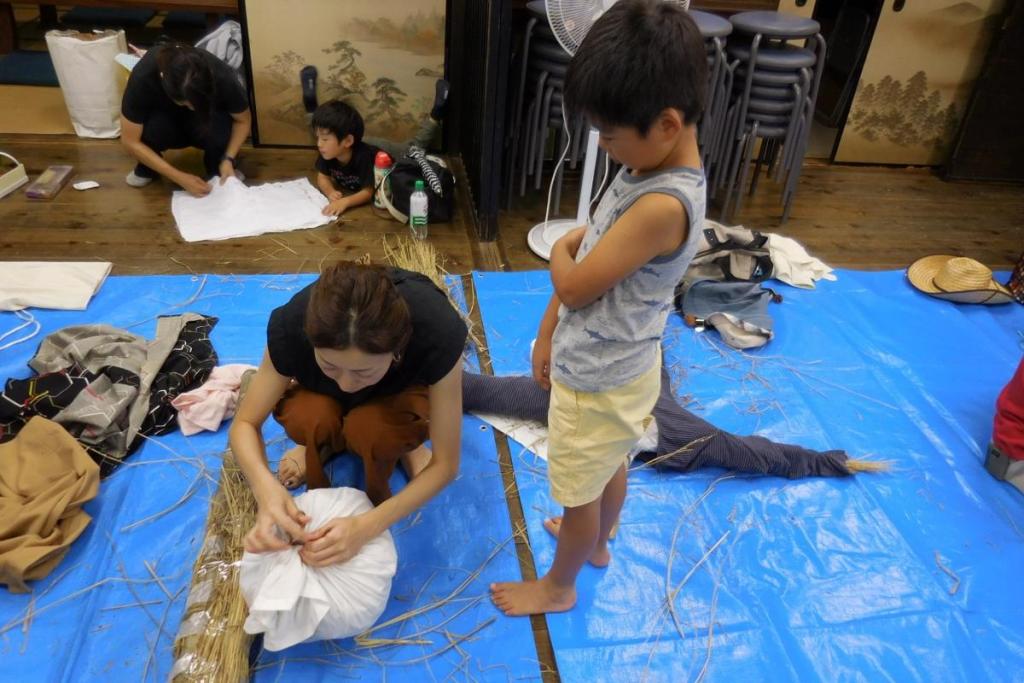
x,y
541,356
359,198
656,224
323,182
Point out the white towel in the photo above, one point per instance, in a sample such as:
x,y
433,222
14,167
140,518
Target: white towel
x,y
50,284
793,265
234,210
290,602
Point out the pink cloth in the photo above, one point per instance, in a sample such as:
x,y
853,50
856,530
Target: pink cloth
x,y
212,403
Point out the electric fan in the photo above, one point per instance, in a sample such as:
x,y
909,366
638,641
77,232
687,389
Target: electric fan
x,y
570,20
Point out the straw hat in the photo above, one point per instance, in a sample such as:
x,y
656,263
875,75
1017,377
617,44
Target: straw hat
x,y
958,279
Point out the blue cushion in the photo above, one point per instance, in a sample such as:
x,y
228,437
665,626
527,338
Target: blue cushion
x,y
27,67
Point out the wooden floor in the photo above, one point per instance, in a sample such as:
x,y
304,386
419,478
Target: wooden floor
x,y
849,216
862,217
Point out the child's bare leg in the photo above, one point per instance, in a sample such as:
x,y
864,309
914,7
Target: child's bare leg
x,y
611,505
556,590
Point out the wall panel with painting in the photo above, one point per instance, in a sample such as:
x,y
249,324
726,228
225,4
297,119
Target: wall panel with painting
x,y
381,56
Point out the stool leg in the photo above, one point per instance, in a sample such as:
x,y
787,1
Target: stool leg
x,y
542,137
748,152
527,143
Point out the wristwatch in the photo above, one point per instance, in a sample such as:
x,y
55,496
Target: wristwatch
x,y
228,158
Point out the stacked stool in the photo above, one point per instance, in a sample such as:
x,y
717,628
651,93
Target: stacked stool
x,y
538,105
774,85
714,29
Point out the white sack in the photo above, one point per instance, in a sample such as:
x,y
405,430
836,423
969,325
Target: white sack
x,y
290,603
88,77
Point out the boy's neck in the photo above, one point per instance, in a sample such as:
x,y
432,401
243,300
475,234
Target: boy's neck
x,y
345,156
685,153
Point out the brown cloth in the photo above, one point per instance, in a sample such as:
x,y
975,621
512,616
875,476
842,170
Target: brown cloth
x,y
45,477
379,431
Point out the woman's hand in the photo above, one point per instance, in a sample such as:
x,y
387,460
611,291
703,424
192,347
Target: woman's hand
x,y
337,541
193,184
279,523
335,196
227,170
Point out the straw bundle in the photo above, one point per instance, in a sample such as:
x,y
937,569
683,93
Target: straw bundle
x,y
211,645
421,256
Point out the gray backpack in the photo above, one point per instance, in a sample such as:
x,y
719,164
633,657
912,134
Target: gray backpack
x,y
731,254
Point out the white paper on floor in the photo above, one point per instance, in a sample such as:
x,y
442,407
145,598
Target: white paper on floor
x,y
235,210
534,435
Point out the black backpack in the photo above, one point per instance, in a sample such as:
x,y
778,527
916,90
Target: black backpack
x,y
400,183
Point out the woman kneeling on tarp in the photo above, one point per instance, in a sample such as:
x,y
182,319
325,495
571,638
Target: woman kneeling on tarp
x,y
366,360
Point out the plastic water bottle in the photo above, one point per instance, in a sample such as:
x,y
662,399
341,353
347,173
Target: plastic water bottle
x,y
418,211
381,167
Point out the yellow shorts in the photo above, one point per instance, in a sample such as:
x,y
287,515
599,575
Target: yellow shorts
x,y
590,435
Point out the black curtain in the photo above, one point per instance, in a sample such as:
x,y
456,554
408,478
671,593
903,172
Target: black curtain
x,y
477,55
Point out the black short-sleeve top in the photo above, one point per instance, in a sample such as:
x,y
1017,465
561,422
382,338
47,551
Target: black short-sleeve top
x,y
436,345
144,93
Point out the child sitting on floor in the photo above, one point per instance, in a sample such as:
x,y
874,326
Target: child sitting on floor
x,y
345,164
640,77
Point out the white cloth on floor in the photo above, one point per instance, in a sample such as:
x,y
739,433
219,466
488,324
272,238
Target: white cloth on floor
x,y
235,210
290,602
793,265
213,402
50,284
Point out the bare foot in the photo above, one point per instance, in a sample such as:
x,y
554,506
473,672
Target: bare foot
x,y
416,460
291,471
601,557
520,598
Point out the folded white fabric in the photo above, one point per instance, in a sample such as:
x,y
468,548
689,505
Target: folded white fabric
x,y
235,210
50,284
213,402
290,602
793,265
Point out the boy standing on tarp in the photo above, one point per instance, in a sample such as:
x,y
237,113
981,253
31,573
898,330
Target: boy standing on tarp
x,y
640,77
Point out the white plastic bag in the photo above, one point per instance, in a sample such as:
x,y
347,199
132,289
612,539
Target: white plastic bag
x,y
88,77
290,603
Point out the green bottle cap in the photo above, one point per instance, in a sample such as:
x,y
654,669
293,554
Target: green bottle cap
x,y
419,185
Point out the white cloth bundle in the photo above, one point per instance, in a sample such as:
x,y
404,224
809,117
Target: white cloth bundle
x,y
290,602
88,76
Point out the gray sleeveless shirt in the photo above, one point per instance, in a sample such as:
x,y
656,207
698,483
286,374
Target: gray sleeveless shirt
x,y
616,339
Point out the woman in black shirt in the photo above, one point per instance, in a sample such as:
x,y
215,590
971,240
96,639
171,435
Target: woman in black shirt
x,y
179,96
365,359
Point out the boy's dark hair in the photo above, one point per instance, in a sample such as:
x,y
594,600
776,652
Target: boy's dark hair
x,y
638,59
340,118
355,305
187,77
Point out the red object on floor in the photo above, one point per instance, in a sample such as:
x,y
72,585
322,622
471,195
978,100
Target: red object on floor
x,y
1008,430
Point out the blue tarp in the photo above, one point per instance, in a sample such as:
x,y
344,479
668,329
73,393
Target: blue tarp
x,y
907,575
84,631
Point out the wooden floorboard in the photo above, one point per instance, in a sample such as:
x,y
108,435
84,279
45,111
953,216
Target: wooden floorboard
x,y
134,229
852,217
849,216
